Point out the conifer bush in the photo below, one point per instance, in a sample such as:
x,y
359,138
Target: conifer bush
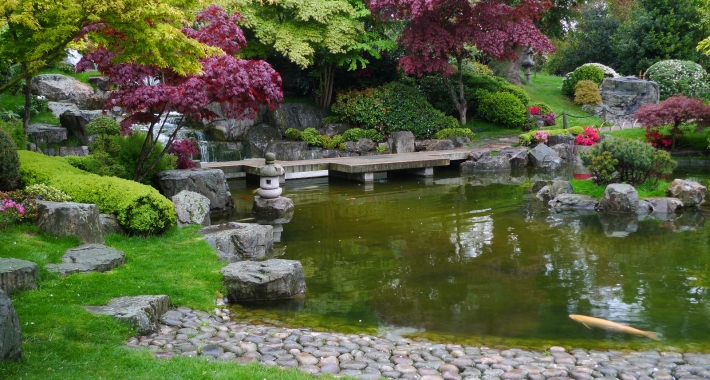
x,y
587,92
9,163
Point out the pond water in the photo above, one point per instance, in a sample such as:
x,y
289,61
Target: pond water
x,y
479,260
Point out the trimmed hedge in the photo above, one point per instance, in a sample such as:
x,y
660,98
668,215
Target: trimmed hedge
x,y
140,209
502,107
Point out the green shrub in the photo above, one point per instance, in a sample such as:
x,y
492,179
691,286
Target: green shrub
x,y
608,71
9,163
583,72
354,134
530,123
47,193
518,92
293,134
312,137
679,77
503,108
37,106
544,108
574,131
331,142
432,87
14,128
448,132
587,92
125,151
390,108
140,209
615,160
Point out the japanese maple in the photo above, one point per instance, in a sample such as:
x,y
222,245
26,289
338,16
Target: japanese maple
x,y
673,112
147,94
440,30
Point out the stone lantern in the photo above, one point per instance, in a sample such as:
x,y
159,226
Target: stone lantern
x,y
269,174
527,63
269,206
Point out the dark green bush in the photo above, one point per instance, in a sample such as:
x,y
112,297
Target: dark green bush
x,y
616,160
140,209
592,73
390,108
14,128
432,87
354,134
503,108
293,134
9,163
518,92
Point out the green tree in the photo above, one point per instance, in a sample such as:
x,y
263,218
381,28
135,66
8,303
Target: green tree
x,y
324,34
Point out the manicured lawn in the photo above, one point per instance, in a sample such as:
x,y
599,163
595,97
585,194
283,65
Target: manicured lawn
x,y
587,187
61,340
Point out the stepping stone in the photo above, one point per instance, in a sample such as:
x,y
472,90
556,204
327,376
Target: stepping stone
x,y
249,281
16,275
142,312
88,258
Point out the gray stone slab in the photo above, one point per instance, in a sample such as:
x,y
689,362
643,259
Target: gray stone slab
x,y
16,275
142,312
88,258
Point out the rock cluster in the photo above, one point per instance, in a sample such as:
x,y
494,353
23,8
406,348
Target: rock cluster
x,y
190,333
209,182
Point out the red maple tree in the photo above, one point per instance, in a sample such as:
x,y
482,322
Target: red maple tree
x,y
674,111
147,94
439,30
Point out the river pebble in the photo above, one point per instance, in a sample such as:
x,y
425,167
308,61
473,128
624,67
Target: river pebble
x,y
192,333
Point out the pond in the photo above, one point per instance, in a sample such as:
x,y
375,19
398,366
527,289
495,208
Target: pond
x,y
479,260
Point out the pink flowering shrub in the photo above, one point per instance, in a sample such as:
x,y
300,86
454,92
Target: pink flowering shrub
x,y
541,137
589,137
10,212
549,119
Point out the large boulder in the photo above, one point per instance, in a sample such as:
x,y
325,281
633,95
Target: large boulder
x,y
62,88
661,205
288,150
296,115
624,95
75,122
47,133
70,219
565,151
487,164
273,210
517,156
209,182
58,108
10,331
16,275
569,202
240,241
258,139
249,281
555,188
689,192
142,312
401,142
332,129
191,208
543,157
88,258
619,198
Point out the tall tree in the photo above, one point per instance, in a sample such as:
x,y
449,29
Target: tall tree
x,y
324,34
148,93
439,30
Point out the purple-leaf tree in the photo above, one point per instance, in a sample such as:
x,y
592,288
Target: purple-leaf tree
x,y
441,30
147,94
674,111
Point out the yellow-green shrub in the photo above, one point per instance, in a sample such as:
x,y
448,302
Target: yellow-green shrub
x,y
140,209
587,92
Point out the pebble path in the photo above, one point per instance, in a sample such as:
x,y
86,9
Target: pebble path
x,y
193,333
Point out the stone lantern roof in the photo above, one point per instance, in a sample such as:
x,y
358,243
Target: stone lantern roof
x,y
269,169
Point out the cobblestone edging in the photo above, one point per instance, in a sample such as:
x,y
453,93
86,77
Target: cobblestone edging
x,y
193,333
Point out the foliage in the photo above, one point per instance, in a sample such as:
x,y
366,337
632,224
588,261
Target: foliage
x,y
184,150
659,137
432,37
541,137
542,108
355,134
518,92
587,92
530,123
434,89
293,134
390,108
14,128
676,77
312,137
673,111
140,209
331,142
10,212
47,193
591,73
589,137
634,162
103,127
27,200
238,86
449,132
502,107
37,106
9,163
608,71
550,119
527,138
658,30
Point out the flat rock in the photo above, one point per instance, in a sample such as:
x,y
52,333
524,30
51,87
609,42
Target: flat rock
x,y
47,133
70,219
487,164
265,280
142,312
276,210
565,202
16,275
10,331
88,258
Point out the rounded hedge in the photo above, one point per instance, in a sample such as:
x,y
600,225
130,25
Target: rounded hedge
x,y
518,92
679,77
587,92
140,209
584,72
503,108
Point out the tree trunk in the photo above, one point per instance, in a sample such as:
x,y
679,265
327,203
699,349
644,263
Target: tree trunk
x,y
511,69
28,102
326,78
460,98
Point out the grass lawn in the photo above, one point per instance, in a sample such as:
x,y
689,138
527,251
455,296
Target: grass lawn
x,y
61,340
648,189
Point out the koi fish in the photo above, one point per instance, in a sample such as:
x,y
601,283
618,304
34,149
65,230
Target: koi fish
x,y
609,325
244,197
